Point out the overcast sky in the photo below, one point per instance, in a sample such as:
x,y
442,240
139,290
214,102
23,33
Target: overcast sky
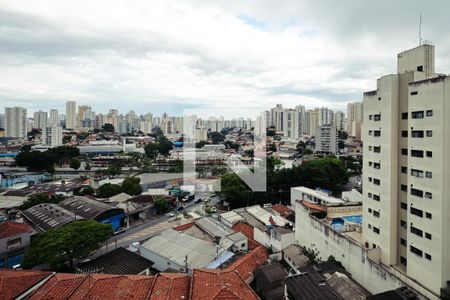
x,y
156,56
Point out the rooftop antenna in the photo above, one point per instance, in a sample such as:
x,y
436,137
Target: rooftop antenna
x,y
420,29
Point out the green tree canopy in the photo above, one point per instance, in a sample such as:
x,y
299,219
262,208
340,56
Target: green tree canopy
x,y
36,161
39,199
108,127
58,246
108,190
234,190
75,163
216,137
131,186
162,205
328,172
201,143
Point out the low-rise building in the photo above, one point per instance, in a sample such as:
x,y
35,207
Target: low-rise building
x,y
14,240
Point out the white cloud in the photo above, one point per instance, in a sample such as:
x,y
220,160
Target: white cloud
x,y
161,55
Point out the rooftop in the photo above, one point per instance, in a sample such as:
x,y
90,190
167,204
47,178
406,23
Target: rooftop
x,y
48,215
13,284
213,227
265,216
294,253
310,286
119,262
10,229
86,207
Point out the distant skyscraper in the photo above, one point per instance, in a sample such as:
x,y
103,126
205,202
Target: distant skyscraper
x,y
40,119
326,116
355,112
52,136
2,121
54,118
71,115
339,120
326,139
16,122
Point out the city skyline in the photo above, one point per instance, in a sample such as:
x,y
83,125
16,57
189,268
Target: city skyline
x,y
187,55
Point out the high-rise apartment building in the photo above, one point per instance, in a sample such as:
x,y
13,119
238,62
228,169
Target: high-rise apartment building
x,y
326,116
52,136
339,120
326,140
71,115
16,122
355,112
53,118
40,119
406,210
277,117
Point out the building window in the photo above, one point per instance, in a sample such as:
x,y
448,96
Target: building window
x,y
429,133
369,226
376,230
414,92
377,133
428,195
428,235
428,174
369,210
404,133
377,149
404,151
11,244
416,212
429,113
377,118
416,231
419,68
370,132
417,114
403,261
417,153
429,154
376,197
403,205
427,256
370,179
403,224
405,116
417,173
370,117
403,188
376,181
417,193
369,195
415,250
404,170
403,242
376,214
428,215
370,148
417,133
377,165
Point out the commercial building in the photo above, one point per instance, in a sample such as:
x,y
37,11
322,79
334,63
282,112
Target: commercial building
x,y
71,115
16,122
406,170
326,140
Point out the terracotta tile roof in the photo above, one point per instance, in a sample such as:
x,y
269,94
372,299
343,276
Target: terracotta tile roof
x,y
9,229
183,227
247,230
282,209
60,286
312,206
103,286
215,284
14,283
248,263
272,221
171,286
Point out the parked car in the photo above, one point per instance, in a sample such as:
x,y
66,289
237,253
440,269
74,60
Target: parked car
x,y
198,200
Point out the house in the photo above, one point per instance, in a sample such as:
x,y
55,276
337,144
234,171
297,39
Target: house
x,y
309,286
14,240
270,281
119,262
293,256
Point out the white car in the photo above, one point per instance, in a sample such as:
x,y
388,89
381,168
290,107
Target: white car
x,y
171,214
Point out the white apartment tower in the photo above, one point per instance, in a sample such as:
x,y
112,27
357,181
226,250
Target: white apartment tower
x,y
339,120
326,116
52,136
407,169
355,111
16,122
53,118
40,119
326,140
71,115
277,117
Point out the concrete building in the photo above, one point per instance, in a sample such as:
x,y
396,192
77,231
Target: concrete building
x,y
406,170
71,115
311,122
54,118
327,140
326,116
16,122
293,120
2,121
14,240
52,136
355,112
277,117
339,120
40,119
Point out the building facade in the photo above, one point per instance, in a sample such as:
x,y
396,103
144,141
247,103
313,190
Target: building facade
x,y
327,140
406,169
71,115
16,122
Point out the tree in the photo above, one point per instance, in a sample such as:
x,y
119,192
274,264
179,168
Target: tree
x,y
88,190
162,205
108,127
108,190
164,145
87,166
131,186
301,146
216,137
341,144
250,152
234,190
157,132
58,246
39,199
231,145
151,150
328,172
36,161
75,163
